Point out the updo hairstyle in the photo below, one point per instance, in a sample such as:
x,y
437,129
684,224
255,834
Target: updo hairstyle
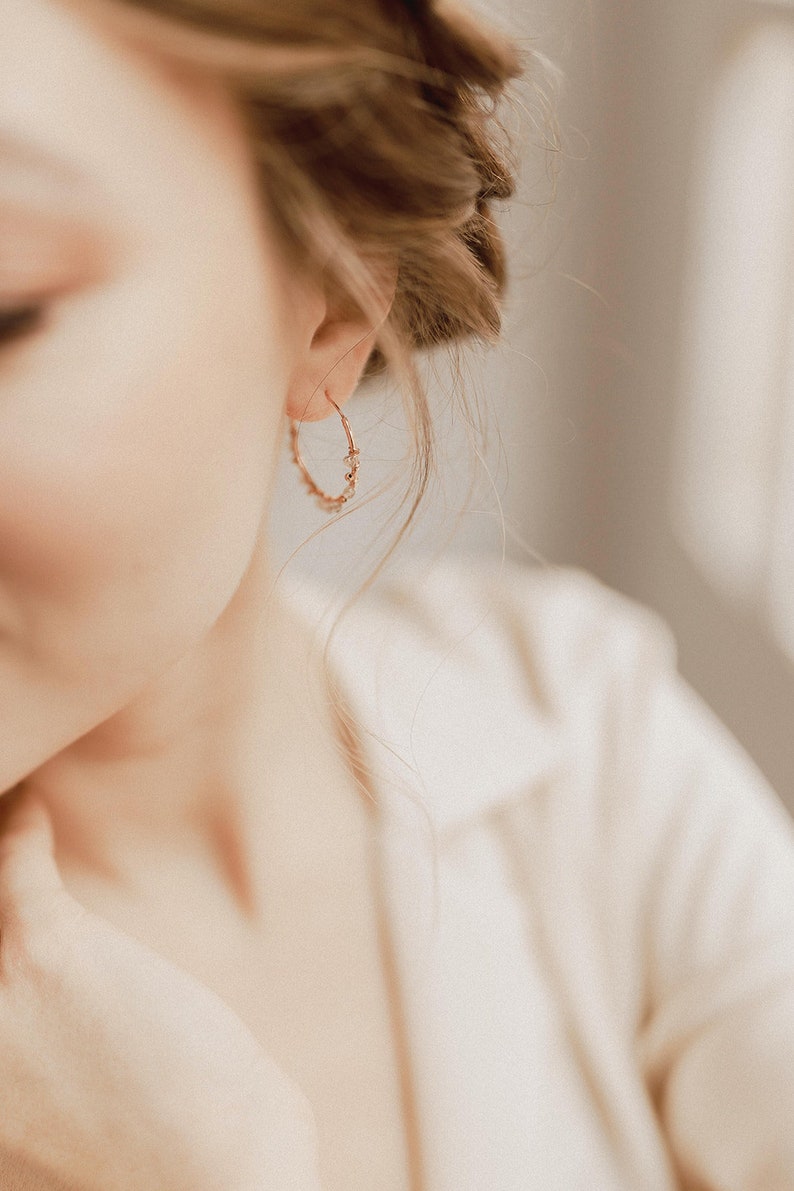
x,y
374,122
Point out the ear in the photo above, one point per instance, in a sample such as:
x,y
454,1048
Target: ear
x,y
336,345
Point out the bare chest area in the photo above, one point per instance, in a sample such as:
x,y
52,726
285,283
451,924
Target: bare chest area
x,y
317,986
328,1020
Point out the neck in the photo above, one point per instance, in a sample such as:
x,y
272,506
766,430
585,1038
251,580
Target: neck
x,y
229,760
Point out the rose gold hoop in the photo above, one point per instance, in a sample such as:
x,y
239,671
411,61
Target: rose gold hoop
x,y
331,504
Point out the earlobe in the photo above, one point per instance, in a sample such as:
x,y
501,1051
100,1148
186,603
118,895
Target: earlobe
x,y
336,359
341,343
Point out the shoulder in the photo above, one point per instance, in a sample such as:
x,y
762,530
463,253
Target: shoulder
x,y
558,623
474,679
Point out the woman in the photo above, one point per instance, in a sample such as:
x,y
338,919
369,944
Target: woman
x,y
491,901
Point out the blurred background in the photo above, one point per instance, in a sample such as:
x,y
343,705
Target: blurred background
x,y
642,401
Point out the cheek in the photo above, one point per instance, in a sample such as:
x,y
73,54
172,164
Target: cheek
x,y
136,452
138,435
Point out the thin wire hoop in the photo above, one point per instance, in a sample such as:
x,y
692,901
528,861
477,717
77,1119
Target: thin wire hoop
x,y
331,504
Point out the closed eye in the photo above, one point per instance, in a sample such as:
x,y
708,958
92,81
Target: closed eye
x,y
16,324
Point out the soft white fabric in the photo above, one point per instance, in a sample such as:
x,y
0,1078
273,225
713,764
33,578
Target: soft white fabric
x,y
591,887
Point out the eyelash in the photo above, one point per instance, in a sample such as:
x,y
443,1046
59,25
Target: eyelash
x,y
19,323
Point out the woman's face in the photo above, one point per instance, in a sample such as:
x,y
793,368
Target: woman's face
x,y
139,423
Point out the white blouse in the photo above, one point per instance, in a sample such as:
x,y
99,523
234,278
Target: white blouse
x,y
591,889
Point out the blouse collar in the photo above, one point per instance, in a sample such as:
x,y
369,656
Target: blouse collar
x,y
453,717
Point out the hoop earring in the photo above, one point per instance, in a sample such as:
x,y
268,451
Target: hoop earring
x,y
331,504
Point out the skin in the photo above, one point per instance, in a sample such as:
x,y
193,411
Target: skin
x,y
158,702
173,1090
